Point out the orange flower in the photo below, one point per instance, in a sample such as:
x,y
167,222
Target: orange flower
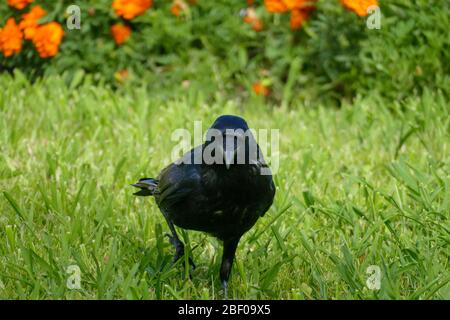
x,y
300,10
257,25
18,4
10,38
121,75
280,6
178,7
275,6
175,9
124,73
30,20
129,9
260,89
120,33
299,4
360,7
250,2
298,17
47,39
251,18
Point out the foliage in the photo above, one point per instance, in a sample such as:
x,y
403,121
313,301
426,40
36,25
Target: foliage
x,y
357,187
209,47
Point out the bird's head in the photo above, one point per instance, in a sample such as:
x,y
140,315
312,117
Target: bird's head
x,y
229,141
225,122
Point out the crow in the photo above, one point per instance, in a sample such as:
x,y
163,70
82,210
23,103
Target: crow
x,y
221,187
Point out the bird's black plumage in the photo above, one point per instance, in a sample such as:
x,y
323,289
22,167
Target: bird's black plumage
x,y
222,200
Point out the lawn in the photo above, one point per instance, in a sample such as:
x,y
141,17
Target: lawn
x,y
363,185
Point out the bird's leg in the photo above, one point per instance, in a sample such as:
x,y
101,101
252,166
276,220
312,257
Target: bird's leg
x,y
229,250
176,242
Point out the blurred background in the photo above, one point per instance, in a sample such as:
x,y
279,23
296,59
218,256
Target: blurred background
x,y
300,50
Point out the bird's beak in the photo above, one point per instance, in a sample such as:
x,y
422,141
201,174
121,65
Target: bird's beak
x,y
229,157
232,148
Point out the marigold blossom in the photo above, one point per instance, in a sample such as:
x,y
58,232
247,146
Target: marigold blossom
x,y
299,4
300,16
257,25
30,20
175,9
10,38
47,39
260,89
121,75
19,4
129,9
178,7
360,7
300,10
252,19
275,6
120,33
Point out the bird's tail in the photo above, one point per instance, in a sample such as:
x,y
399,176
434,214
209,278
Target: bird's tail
x,y
148,187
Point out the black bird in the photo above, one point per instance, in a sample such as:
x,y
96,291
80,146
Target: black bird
x,y
221,187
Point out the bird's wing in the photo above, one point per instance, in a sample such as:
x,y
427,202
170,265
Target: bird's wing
x,y
176,183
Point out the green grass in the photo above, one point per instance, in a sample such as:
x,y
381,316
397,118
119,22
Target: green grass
x,y
367,184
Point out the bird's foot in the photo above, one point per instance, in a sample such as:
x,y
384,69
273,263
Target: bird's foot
x,y
179,250
173,240
225,289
